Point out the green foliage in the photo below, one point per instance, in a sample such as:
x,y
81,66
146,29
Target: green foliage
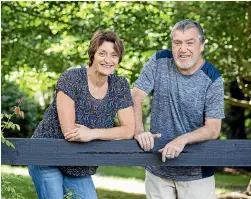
x,y
8,124
57,34
44,38
7,189
70,194
34,83
9,97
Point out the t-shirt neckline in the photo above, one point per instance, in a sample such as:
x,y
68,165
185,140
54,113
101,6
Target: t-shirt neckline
x,y
88,91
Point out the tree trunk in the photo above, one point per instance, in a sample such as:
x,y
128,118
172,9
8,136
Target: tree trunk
x,y
235,118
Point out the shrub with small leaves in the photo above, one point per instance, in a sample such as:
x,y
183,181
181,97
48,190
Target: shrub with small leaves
x,y
7,189
8,124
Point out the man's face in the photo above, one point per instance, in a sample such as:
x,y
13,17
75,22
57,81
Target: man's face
x,y
186,48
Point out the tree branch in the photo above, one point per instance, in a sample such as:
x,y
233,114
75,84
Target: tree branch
x,y
31,12
240,103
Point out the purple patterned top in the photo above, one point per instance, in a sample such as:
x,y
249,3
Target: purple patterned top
x,y
91,112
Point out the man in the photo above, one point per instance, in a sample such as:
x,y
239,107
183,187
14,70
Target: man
x,y
187,107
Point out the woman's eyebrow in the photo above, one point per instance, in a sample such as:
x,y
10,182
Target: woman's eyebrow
x,y
100,49
103,50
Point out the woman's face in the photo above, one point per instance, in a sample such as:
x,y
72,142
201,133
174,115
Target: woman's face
x,y
105,58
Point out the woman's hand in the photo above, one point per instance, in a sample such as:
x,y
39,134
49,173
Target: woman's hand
x,y
80,134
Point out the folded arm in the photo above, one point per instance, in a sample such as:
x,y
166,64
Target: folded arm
x,y
66,112
124,131
81,133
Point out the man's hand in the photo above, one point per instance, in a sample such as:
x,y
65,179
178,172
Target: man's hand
x,y
81,134
173,148
146,140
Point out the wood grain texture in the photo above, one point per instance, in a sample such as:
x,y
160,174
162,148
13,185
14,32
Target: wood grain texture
x,y
59,152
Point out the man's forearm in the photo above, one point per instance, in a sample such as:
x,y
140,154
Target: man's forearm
x,y
138,97
207,132
199,135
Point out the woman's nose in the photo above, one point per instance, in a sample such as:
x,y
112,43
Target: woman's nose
x,y
107,59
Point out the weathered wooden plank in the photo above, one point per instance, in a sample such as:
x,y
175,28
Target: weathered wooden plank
x,y
123,152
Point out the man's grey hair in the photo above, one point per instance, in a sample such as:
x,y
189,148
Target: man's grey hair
x,y
187,24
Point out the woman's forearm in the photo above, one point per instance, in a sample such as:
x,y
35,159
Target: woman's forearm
x,y
115,133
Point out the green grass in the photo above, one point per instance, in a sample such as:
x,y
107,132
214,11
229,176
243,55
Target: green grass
x,y
122,172
231,182
231,179
139,173
105,194
24,187
224,182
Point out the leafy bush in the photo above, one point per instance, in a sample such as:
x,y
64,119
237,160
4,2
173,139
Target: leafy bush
x,y
8,189
9,99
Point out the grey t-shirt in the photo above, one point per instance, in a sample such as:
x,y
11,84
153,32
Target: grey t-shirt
x,y
180,104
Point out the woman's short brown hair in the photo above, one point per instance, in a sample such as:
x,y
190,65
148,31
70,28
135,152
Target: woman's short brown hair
x,y
97,40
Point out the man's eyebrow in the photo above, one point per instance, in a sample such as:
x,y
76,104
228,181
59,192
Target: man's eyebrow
x,y
192,39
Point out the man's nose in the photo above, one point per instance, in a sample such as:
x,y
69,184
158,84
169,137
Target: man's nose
x,y
183,47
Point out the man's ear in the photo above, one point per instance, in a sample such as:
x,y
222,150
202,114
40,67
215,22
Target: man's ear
x,y
202,47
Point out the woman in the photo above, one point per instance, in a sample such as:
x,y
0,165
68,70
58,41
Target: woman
x,y
84,108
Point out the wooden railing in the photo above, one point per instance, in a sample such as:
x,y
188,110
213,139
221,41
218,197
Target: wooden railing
x,y
57,152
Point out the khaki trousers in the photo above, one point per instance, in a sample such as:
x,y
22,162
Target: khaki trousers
x,y
162,188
